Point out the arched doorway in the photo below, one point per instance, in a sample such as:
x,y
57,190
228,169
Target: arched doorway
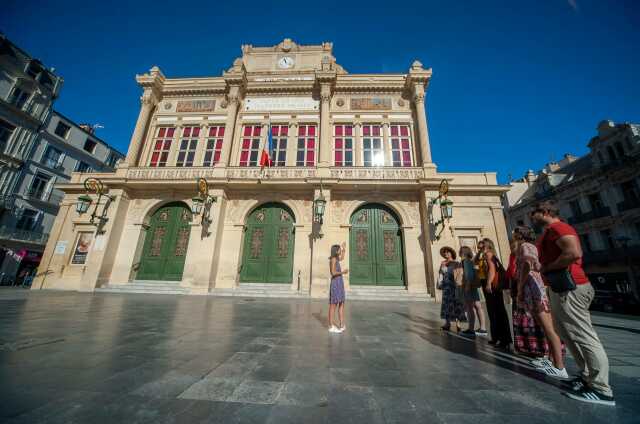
x,y
375,251
165,247
267,256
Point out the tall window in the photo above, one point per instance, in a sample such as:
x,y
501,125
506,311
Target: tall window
x,y
6,129
214,145
19,97
343,145
373,153
27,220
62,130
89,145
278,152
306,155
82,167
250,148
111,160
607,239
52,157
161,146
400,145
188,145
39,186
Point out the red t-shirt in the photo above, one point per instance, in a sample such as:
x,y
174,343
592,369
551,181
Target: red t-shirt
x,y
549,250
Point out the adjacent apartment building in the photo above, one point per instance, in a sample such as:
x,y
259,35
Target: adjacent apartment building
x,y
38,149
599,194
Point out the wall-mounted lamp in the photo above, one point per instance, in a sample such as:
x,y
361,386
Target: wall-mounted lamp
x,y
319,205
446,208
202,203
94,185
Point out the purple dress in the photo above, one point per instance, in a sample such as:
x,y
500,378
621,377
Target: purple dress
x,y
336,290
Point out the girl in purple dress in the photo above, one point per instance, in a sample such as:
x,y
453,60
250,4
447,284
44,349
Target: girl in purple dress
x,y
336,289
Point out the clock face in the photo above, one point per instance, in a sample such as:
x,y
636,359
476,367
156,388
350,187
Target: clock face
x,y
286,62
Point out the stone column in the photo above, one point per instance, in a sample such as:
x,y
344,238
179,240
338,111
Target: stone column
x,y
357,144
502,239
386,145
148,101
325,128
423,131
230,124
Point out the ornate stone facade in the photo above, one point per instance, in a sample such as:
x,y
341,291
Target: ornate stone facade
x,y
357,140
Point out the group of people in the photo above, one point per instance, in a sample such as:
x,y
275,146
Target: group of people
x,y
550,294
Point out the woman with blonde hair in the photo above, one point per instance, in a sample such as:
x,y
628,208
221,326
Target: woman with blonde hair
x,y
499,321
471,294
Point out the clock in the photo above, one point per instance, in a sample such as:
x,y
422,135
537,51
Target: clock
x,y
286,62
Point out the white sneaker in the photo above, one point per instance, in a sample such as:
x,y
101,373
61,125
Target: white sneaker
x,y
555,372
344,327
334,329
541,362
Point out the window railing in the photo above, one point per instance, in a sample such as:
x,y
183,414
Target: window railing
x,y
588,216
10,233
42,196
630,203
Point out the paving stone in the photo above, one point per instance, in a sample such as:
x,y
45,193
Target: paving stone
x,y
164,359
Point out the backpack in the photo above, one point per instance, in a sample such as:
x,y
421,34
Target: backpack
x,y
502,282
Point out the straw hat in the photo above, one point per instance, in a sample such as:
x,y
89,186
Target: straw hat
x,y
447,248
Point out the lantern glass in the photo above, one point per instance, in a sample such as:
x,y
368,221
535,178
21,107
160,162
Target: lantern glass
x,y
83,204
446,207
196,207
320,204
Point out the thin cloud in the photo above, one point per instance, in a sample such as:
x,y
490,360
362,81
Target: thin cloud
x,y
573,4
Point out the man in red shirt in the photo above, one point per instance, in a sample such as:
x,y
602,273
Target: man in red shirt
x,y
559,249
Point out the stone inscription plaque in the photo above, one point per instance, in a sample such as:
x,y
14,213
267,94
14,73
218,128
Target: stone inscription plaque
x,y
269,104
196,106
375,103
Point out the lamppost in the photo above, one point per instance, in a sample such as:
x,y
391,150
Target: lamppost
x,y
95,186
203,201
446,208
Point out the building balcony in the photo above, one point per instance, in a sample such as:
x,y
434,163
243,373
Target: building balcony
x,y
627,204
618,255
14,234
589,216
39,196
275,173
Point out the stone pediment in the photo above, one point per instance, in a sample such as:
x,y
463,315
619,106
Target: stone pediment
x,y
288,57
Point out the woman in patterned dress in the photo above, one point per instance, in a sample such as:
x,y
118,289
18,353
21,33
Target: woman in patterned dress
x,y
529,338
336,289
532,295
452,308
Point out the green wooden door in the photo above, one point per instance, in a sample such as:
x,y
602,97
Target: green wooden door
x,y
267,256
375,249
165,246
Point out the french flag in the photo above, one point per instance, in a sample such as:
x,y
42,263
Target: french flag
x,y
265,157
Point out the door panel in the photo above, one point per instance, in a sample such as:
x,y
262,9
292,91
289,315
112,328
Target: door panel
x,y
376,256
166,244
268,246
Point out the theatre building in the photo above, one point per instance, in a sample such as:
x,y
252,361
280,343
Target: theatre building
x,y
358,141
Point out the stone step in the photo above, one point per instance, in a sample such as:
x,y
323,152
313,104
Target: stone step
x,y
385,293
259,290
146,286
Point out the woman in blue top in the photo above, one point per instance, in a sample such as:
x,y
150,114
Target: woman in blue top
x,y
471,294
336,289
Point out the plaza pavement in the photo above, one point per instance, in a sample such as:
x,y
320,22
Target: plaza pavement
x,y
93,358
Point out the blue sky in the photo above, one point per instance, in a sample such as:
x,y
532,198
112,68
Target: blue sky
x,y
515,83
